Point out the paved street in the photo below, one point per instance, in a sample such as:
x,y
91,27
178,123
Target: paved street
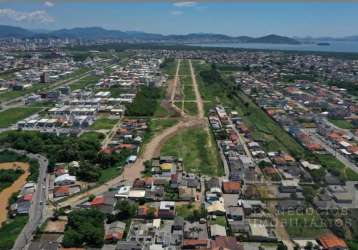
x,y
37,211
319,139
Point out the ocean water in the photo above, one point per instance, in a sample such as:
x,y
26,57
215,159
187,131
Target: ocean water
x,y
348,47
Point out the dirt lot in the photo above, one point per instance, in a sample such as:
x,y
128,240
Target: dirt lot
x,y
57,226
16,186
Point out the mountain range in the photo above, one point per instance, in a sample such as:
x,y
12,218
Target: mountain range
x,y
95,33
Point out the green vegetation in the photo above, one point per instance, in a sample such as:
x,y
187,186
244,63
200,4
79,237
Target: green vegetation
x,y
84,227
188,91
263,127
157,125
92,136
85,82
10,230
352,244
13,115
220,220
162,112
9,156
169,67
104,123
189,212
303,224
146,102
8,176
336,167
184,69
191,108
198,151
342,123
67,149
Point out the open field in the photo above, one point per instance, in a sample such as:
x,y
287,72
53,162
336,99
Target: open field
x,y
95,136
169,67
303,224
342,123
189,93
85,82
13,115
184,68
10,231
197,150
14,187
157,125
103,123
331,163
191,108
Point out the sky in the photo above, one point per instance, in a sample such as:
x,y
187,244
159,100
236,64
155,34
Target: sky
x,y
231,18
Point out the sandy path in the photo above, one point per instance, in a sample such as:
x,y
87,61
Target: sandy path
x,y
152,148
16,186
199,100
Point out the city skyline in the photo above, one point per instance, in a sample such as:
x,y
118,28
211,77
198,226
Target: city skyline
x,y
234,19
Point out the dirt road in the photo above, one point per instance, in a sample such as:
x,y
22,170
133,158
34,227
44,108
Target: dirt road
x,y
199,100
16,186
153,147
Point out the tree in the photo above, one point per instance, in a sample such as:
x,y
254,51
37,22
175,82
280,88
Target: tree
x,y
84,227
126,210
309,246
281,246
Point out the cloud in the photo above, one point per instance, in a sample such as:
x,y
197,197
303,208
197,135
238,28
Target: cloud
x,y
37,16
185,4
49,4
177,12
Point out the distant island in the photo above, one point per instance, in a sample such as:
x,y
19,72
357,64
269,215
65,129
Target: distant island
x,y
323,44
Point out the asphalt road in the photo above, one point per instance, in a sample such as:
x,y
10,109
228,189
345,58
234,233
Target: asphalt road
x,y
38,208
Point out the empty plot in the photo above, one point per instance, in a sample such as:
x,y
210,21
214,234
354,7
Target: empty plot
x,y
13,115
198,151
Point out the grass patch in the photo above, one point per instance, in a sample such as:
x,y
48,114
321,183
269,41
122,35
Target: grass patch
x,y
157,125
162,112
92,136
8,176
191,108
198,151
13,115
189,93
184,211
303,224
220,220
342,123
109,173
336,167
184,68
10,230
103,123
85,82
169,67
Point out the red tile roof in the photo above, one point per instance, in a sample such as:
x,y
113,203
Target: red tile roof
x,y
330,240
192,243
27,197
229,186
62,189
97,201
